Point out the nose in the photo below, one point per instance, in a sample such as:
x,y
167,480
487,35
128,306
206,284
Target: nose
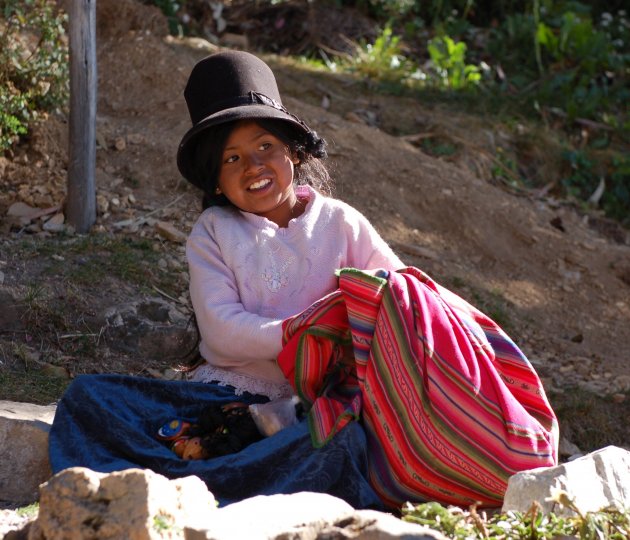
x,y
253,163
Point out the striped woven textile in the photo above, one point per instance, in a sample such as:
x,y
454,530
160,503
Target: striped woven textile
x,y
450,405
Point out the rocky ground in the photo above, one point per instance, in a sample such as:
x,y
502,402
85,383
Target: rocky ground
x,y
556,278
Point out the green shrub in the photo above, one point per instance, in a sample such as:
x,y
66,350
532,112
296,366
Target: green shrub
x,y
382,60
449,61
33,65
607,524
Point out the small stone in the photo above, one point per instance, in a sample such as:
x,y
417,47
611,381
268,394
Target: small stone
x,y
120,144
170,232
354,117
55,223
102,204
56,372
174,264
618,398
623,382
22,210
567,448
135,138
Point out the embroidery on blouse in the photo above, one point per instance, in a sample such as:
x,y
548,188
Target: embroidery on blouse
x,y
276,277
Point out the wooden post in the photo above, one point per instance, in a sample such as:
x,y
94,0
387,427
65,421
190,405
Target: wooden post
x,y
81,201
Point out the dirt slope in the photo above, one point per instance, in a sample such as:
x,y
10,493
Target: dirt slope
x,y
560,288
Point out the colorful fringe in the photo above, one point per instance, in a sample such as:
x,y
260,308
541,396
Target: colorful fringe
x,y
451,406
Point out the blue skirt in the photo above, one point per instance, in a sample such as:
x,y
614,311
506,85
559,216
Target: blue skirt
x,y
109,423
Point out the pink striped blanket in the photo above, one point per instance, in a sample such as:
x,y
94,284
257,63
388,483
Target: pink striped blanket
x,y
450,405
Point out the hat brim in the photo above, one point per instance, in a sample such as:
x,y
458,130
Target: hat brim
x,y
186,150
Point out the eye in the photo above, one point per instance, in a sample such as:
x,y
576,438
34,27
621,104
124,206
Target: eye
x,y
231,159
265,146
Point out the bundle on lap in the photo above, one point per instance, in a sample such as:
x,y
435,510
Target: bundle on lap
x,y
451,406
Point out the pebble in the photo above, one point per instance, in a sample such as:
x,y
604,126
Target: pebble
x,y
55,223
170,232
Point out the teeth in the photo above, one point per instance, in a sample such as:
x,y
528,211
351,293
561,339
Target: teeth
x,y
260,184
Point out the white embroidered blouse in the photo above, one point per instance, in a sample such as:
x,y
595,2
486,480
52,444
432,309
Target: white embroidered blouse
x,y
247,275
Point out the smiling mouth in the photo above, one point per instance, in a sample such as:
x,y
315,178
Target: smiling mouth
x,y
260,184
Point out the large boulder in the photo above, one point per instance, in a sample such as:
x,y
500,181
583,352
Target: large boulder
x,y
593,482
134,504
305,516
24,461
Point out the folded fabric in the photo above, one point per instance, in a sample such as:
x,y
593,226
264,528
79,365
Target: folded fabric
x,y
451,406
109,423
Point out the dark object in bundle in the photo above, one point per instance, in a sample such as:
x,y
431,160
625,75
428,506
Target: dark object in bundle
x,y
226,429
219,430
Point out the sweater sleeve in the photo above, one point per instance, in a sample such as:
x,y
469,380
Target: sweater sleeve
x,y
227,329
367,249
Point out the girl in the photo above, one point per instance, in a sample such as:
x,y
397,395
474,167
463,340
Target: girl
x,y
270,243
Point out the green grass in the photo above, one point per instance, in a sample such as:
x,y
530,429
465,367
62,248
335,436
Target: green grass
x,y
31,385
85,260
532,525
29,511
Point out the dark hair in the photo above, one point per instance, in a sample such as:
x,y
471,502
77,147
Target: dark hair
x,y
309,148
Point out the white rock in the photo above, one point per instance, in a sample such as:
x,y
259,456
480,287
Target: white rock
x,y
55,223
305,516
267,516
597,480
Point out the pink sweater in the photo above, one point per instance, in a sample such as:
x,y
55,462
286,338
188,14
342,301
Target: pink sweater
x,y
247,275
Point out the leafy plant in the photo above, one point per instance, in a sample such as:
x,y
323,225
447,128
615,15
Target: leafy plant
x,y
33,65
383,59
449,61
608,524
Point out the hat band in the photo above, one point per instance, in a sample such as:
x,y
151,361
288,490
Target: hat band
x,y
253,98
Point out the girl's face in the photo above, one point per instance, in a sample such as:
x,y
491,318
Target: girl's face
x,y
256,174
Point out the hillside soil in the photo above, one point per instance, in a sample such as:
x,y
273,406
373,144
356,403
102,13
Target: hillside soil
x,y
556,278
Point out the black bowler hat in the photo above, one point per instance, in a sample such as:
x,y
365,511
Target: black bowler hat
x,y
228,86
